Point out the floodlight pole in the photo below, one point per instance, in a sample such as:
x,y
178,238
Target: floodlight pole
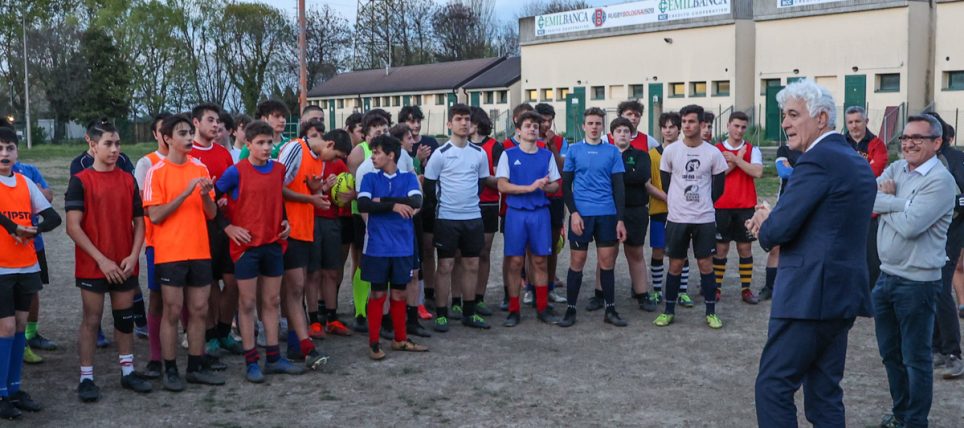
x,y
302,66
26,85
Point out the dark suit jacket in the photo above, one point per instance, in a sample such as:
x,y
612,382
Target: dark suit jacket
x,y
821,223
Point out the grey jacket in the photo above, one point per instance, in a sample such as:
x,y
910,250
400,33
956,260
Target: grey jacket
x,y
914,222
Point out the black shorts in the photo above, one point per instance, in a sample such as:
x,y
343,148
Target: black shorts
x,y
599,228
16,292
358,231
298,255
557,212
42,261
101,285
188,273
221,263
490,218
428,222
636,220
347,230
679,236
465,236
383,271
731,225
327,243
266,260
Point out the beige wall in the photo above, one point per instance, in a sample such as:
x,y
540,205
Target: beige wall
x,y
703,54
949,56
827,47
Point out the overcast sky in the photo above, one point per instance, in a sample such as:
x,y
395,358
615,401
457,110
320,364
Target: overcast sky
x,y
504,9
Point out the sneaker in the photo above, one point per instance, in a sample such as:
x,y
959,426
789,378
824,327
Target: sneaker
x,y
375,352
337,328
283,366
482,309
528,298
136,384
424,313
456,312
953,367
102,341
512,320
765,293
595,304
8,410
414,328
152,370
260,339
212,348
408,346
569,319
647,304
891,421
253,373
204,377
21,400
663,320
548,316
684,300
714,321
748,297
87,391
214,363
172,381
656,296
141,332
441,324
361,324
44,344
232,345
476,321
294,354
555,296
30,357
315,359
316,331
612,317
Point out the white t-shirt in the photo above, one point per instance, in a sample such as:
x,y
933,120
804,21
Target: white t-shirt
x,y
235,153
458,171
405,164
690,196
756,157
143,165
38,203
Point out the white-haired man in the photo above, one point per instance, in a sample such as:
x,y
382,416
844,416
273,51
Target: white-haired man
x,y
820,223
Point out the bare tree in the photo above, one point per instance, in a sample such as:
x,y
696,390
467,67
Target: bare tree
x,y
545,7
463,28
260,41
204,47
329,40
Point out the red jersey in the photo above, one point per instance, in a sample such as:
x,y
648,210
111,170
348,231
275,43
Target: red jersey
x,y
739,191
260,206
110,201
640,142
216,158
329,169
493,150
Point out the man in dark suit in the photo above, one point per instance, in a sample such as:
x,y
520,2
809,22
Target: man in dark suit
x,y
820,223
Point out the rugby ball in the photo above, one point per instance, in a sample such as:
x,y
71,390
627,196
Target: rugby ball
x,y
344,183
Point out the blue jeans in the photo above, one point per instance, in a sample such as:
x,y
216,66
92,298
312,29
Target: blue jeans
x,y
904,311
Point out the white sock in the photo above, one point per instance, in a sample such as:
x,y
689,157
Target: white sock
x,y
126,363
86,373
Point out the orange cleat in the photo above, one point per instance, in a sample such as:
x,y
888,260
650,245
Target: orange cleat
x,y
337,328
315,331
424,313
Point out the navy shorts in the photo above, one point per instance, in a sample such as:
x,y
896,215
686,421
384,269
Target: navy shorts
x,y
657,231
266,260
601,228
387,270
530,229
557,210
152,283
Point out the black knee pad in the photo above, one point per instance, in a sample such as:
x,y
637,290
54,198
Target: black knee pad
x,y
124,320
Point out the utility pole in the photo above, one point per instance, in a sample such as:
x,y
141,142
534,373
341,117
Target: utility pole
x,y
26,85
302,66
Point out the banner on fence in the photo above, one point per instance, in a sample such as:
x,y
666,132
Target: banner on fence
x,y
634,13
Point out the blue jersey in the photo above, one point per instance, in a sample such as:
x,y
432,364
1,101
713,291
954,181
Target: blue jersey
x,y
33,174
593,166
389,234
522,169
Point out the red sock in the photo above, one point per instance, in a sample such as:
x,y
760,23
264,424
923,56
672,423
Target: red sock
x,y
513,304
398,320
374,318
542,297
307,346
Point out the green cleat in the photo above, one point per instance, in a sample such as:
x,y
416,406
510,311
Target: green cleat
x,y
714,321
685,301
663,320
441,324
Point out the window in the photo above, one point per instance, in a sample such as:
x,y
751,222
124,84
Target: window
x,y
341,103
562,93
440,99
721,88
503,97
396,101
547,95
489,97
766,83
598,92
889,82
697,89
377,101
677,90
532,95
954,80
416,100
635,92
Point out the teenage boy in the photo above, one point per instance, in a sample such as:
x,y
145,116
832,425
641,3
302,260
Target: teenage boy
x,y
390,198
20,200
737,204
304,192
636,179
222,304
633,111
454,178
258,231
226,128
179,199
155,309
424,145
526,174
706,129
595,196
105,219
669,125
488,202
240,122
693,176
353,124
276,114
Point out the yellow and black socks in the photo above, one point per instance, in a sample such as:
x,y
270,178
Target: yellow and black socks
x,y
746,272
719,270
